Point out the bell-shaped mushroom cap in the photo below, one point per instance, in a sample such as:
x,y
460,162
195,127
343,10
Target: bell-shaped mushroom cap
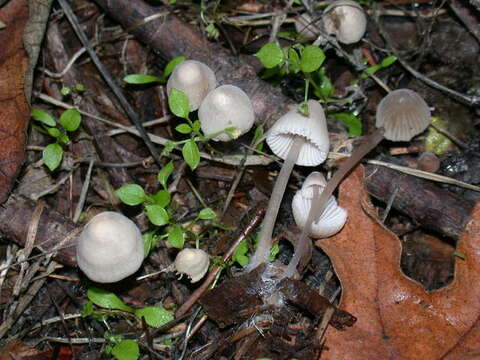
x,y
224,107
192,262
312,128
306,26
333,217
346,20
195,79
403,114
110,248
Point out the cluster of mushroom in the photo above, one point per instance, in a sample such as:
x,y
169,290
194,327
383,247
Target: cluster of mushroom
x,y
303,140
110,248
218,107
343,18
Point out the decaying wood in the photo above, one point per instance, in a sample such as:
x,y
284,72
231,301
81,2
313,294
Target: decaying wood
x,y
432,207
53,228
171,38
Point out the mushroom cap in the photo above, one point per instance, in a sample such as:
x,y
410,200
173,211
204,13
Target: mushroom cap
x,y
192,262
346,20
226,106
305,26
195,79
312,128
403,114
110,248
333,217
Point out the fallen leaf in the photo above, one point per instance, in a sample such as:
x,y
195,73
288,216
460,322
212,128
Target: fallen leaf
x,y
15,110
397,319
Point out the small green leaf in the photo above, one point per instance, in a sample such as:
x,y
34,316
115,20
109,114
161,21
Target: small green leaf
x,y
43,117
87,309
131,194
70,119
196,125
106,299
270,55
164,174
52,156
150,239
312,58
54,132
161,198
207,214
370,70
184,129
65,91
172,64
240,253
178,103
157,215
176,236
63,138
257,136
126,350
352,122
273,252
303,109
155,316
294,60
138,79
459,255
388,61
191,154
80,87
168,147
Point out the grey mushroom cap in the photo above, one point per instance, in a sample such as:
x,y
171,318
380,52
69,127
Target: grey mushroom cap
x,y
346,20
110,248
403,114
312,128
193,263
306,26
195,79
226,106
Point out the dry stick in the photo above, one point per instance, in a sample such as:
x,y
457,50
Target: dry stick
x,y
214,272
83,194
109,80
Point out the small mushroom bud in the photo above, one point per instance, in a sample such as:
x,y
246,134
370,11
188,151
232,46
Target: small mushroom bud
x,y
110,248
226,106
428,161
193,263
346,20
195,79
333,217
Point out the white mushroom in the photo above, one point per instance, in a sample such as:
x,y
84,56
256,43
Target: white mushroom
x,y
226,106
110,248
298,139
346,20
333,217
193,263
195,79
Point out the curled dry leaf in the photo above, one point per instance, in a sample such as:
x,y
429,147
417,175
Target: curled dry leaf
x,y
15,110
397,319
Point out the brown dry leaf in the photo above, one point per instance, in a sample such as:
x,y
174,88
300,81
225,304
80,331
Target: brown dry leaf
x,y
15,111
16,349
397,319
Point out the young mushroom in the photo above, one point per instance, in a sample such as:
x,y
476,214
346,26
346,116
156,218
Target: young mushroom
x,y
110,248
226,106
193,263
195,79
401,115
298,139
346,20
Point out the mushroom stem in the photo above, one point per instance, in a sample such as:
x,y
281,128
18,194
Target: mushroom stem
x,y
319,201
265,243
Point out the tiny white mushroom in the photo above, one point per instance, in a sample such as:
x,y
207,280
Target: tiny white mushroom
x,y
333,217
193,263
298,139
110,248
346,20
195,79
226,106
